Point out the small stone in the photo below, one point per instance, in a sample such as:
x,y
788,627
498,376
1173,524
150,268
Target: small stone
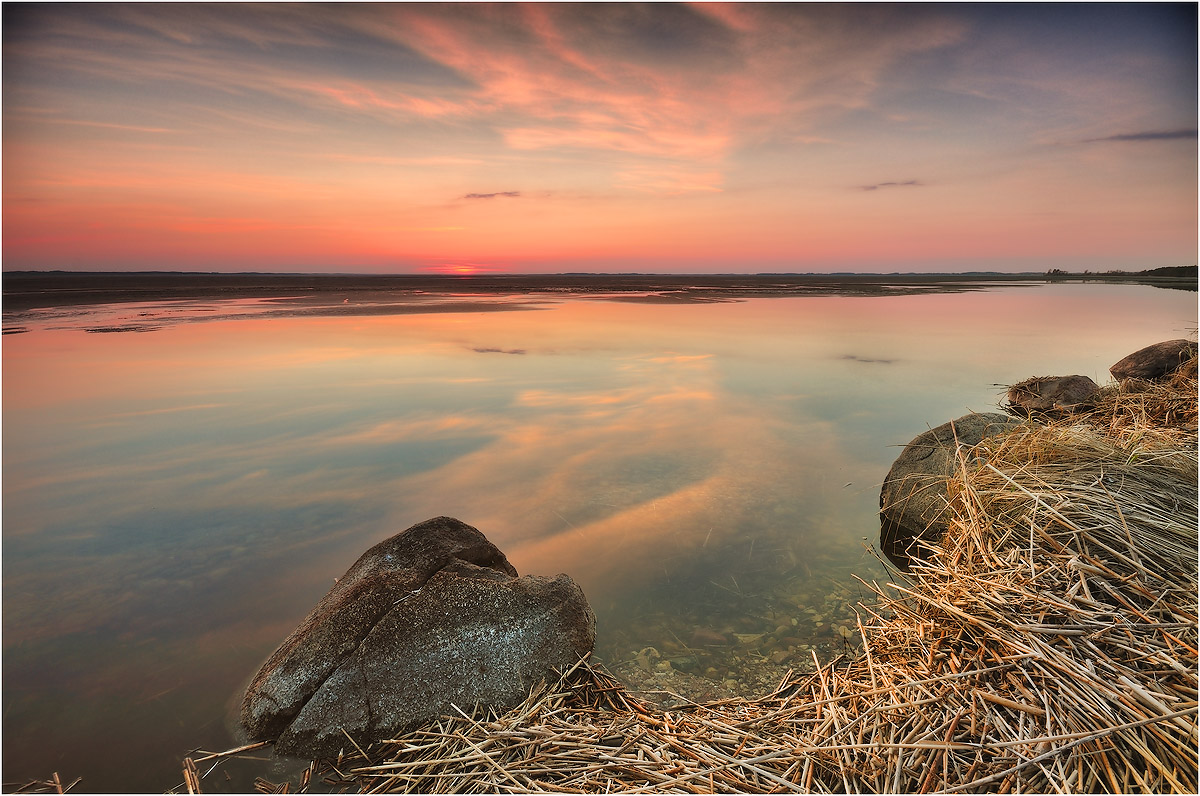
x,y
685,663
748,638
647,658
703,636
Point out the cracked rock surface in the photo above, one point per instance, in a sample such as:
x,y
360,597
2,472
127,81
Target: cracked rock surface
x,y
431,618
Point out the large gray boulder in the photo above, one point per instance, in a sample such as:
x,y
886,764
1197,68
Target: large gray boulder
x,y
1051,394
1158,361
432,618
913,500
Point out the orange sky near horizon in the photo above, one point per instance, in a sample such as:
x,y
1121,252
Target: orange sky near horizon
x,y
595,137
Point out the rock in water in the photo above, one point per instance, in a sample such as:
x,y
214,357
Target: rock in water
x,y
1157,361
912,502
432,618
1051,393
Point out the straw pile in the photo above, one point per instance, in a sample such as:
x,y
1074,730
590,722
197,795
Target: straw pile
x,y
1132,409
1049,643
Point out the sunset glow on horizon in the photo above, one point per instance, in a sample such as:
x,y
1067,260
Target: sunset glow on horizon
x,y
470,139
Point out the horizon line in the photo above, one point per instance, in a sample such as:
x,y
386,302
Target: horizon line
x,y
490,274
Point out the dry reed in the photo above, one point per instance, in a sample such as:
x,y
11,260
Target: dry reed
x,y
1048,643
52,785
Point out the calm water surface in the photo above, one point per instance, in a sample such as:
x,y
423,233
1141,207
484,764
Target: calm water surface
x,y
176,499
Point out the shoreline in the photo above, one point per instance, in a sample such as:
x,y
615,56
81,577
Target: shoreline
x,y
25,290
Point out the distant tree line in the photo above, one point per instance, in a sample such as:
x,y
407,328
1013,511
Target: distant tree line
x,y
1175,271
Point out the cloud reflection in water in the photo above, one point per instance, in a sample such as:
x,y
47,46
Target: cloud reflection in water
x,y
614,485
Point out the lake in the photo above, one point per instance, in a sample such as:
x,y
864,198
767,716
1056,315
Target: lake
x,y
183,479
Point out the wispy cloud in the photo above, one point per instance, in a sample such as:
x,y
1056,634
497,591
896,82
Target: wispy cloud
x,y
114,126
905,184
665,87
1150,135
867,360
487,350
496,195
432,161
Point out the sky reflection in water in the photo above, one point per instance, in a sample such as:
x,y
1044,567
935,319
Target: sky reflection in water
x,y
175,501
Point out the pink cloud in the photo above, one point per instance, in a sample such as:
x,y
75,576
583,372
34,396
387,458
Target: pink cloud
x,y
546,89
364,97
566,98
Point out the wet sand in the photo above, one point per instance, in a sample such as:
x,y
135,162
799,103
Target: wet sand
x,y
369,294
30,289
146,301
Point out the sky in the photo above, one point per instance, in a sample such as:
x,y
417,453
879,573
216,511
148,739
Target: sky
x,y
691,138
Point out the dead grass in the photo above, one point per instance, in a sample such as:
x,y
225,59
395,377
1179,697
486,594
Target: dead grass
x,y
1133,409
52,785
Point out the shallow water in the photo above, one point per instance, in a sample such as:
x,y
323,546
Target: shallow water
x,y
177,496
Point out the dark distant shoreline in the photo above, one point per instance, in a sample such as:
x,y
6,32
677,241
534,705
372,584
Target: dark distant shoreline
x,y
32,289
